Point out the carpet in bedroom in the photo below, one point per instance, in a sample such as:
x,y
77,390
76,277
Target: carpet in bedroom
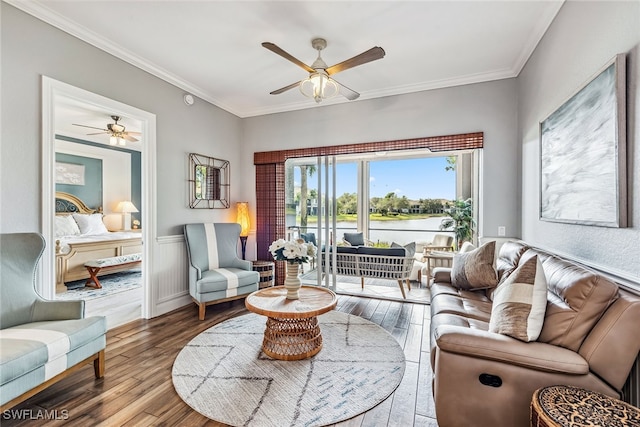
x,y
111,284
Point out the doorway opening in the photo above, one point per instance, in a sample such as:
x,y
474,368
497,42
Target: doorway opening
x,y
114,187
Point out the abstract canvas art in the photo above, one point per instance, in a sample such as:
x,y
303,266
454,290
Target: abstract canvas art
x,y
583,154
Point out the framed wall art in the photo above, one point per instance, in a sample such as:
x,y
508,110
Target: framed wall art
x,y
69,173
583,153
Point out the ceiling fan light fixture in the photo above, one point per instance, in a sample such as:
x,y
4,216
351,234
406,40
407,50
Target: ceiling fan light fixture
x,y
319,86
113,140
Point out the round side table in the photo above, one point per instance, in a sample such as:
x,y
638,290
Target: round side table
x,y
568,406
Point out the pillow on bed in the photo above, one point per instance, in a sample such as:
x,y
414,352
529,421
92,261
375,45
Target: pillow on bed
x,y
90,224
65,225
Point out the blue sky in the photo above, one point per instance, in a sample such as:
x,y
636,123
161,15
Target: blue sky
x,y
415,178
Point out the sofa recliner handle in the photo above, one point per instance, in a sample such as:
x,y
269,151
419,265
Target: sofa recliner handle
x,y
490,380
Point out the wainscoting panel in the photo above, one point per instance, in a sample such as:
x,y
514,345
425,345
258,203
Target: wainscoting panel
x,y
170,285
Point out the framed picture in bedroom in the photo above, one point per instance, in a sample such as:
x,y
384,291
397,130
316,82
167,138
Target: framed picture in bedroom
x,y
69,173
583,153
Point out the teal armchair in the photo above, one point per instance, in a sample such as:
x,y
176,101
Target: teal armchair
x,y
216,274
41,342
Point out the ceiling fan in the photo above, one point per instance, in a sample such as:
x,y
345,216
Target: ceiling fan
x,y
118,133
320,85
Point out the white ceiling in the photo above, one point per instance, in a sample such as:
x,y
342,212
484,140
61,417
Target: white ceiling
x,y
213,50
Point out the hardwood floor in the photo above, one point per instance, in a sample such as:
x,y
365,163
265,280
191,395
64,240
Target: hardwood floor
x,y
137,389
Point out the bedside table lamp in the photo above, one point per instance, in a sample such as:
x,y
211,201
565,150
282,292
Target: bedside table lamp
x,y
243,220
126,207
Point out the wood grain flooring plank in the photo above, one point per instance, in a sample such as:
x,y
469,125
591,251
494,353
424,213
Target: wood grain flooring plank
x,y
137,389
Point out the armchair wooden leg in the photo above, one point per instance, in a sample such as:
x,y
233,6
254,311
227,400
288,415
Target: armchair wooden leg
x,y
201,310
98,365
408,282
362,282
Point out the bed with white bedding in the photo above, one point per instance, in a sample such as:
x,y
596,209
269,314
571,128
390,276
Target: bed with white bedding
x,y
81,237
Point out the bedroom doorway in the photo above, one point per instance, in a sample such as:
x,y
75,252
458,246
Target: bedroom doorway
x,y
63,103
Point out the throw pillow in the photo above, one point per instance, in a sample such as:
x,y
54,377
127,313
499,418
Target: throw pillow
x,y
520,302
354,239
474,269
410,248
466,247
90,224
65,225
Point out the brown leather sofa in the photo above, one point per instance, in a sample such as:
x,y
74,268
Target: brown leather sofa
x,y
590,338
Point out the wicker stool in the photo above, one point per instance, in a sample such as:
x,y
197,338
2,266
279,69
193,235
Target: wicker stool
x,y
568,406
265,268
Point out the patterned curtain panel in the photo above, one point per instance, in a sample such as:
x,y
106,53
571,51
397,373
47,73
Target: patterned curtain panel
x,y
270,179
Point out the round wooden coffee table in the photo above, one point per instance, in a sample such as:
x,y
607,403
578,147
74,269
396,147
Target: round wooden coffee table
x,y
292,331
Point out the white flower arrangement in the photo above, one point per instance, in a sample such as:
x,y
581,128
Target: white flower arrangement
x,y
293,251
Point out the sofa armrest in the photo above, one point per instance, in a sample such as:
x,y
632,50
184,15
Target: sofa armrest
x,y
491,346
57,310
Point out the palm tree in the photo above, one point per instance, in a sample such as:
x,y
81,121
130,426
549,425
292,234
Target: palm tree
x,y
304,169
461,221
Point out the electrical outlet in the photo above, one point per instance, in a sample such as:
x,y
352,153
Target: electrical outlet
x,y
502,230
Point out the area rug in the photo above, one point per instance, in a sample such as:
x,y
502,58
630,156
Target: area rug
x,y
111,284
223,374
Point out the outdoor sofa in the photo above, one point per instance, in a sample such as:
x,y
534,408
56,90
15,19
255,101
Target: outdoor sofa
x,y
371,262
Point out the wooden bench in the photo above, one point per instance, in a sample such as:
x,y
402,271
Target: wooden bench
x,y
94,266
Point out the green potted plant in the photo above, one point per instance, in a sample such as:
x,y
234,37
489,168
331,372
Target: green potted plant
x,y
460,221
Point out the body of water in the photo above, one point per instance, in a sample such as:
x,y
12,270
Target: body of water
x,y
402,232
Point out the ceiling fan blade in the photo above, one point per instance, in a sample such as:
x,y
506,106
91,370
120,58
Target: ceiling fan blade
x,y
284,89
129,138
350,94
131,132
368,56
278,51
98,133
90,127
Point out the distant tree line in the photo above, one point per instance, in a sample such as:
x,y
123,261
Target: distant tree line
x,y
392,204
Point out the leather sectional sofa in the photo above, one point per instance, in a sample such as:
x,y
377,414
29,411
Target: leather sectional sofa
x,y
590,338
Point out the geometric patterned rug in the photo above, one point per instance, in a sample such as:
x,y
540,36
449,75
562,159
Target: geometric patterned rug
x,y
223,374
111,284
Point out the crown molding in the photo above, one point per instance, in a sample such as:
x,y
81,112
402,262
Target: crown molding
x,y
392,91
43,13
40,11
536,36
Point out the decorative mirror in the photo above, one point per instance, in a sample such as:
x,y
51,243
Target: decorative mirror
x,y
208,182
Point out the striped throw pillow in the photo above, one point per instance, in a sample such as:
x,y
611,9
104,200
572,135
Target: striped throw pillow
x,y
520,302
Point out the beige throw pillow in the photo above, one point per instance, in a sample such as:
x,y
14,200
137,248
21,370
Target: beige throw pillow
x,y
520,302
474,269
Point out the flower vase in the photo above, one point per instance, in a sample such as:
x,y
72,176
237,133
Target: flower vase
x,y
292,281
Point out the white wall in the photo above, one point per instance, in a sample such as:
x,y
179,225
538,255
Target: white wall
x,y
32,48
487,107
583,37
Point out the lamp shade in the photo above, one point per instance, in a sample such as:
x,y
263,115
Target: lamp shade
x,y
243,218
126,207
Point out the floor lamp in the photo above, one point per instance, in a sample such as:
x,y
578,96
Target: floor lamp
x,y
243,220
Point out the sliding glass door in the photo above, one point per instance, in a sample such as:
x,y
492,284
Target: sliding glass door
x,y
390,198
